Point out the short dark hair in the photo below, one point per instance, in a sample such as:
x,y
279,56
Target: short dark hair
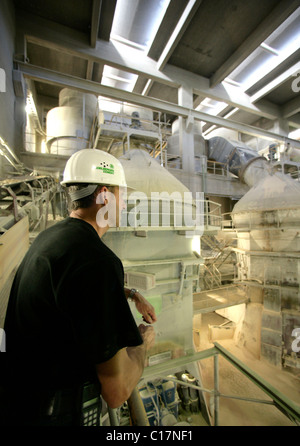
x,y
84,202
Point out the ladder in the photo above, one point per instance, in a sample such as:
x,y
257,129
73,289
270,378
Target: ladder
x,y
221,250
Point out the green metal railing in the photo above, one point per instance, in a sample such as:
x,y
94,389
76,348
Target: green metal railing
x,y
280,401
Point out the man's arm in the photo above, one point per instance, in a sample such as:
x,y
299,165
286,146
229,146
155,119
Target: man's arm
x,y
143,306
120,374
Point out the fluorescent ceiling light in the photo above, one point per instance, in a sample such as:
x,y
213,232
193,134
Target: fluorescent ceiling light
x,y
232,112
269,49
232,82
210,129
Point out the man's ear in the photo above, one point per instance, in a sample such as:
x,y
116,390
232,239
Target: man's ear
x,y
101,195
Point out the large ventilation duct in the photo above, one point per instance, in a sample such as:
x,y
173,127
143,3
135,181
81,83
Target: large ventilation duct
x,y
241,160
69,125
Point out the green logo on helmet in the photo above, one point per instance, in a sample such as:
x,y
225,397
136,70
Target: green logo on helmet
x,y
106,168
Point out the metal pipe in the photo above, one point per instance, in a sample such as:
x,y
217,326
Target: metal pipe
x,y
239,159
281,401
186,384
251,400
216,390
60,79
97,138
113,417
3,143
137,409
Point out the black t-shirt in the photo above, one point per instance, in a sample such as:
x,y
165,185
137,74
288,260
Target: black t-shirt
x,y
67,309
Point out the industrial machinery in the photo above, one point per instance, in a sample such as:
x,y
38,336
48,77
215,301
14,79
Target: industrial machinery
x,y
157,248
160,248
159,242
267,224
266,220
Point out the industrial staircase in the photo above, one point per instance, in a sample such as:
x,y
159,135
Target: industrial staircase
x,y
218,266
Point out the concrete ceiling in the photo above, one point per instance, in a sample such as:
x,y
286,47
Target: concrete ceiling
x,y
209,46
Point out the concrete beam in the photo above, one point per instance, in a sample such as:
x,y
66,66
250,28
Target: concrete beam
x,y
225,92
63,80
283,77
89,69
180,28
291,108
95,20
279,14
120,56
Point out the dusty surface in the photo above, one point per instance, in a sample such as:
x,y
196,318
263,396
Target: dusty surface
x,y
232,382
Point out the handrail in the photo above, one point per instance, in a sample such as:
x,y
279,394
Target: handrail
x,y
141,206
216,167
283,403
227,223
280,401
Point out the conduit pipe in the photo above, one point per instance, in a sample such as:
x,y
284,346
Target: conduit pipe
x,y
137,409
240,159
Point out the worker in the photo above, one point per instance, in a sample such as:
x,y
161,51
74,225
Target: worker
x,y
70,333
272,152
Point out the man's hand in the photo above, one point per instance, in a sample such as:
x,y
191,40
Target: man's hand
x,y
148,336
144,308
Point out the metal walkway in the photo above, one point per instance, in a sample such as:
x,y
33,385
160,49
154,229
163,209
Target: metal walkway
x,y
210,300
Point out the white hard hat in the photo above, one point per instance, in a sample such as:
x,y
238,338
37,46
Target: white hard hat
x,y
94,166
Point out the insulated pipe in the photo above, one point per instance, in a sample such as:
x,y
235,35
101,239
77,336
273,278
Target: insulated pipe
x,y
113,419
137,409
241,160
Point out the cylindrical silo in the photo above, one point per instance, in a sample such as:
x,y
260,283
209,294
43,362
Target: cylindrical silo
x,y
267,221
157,252
69,125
